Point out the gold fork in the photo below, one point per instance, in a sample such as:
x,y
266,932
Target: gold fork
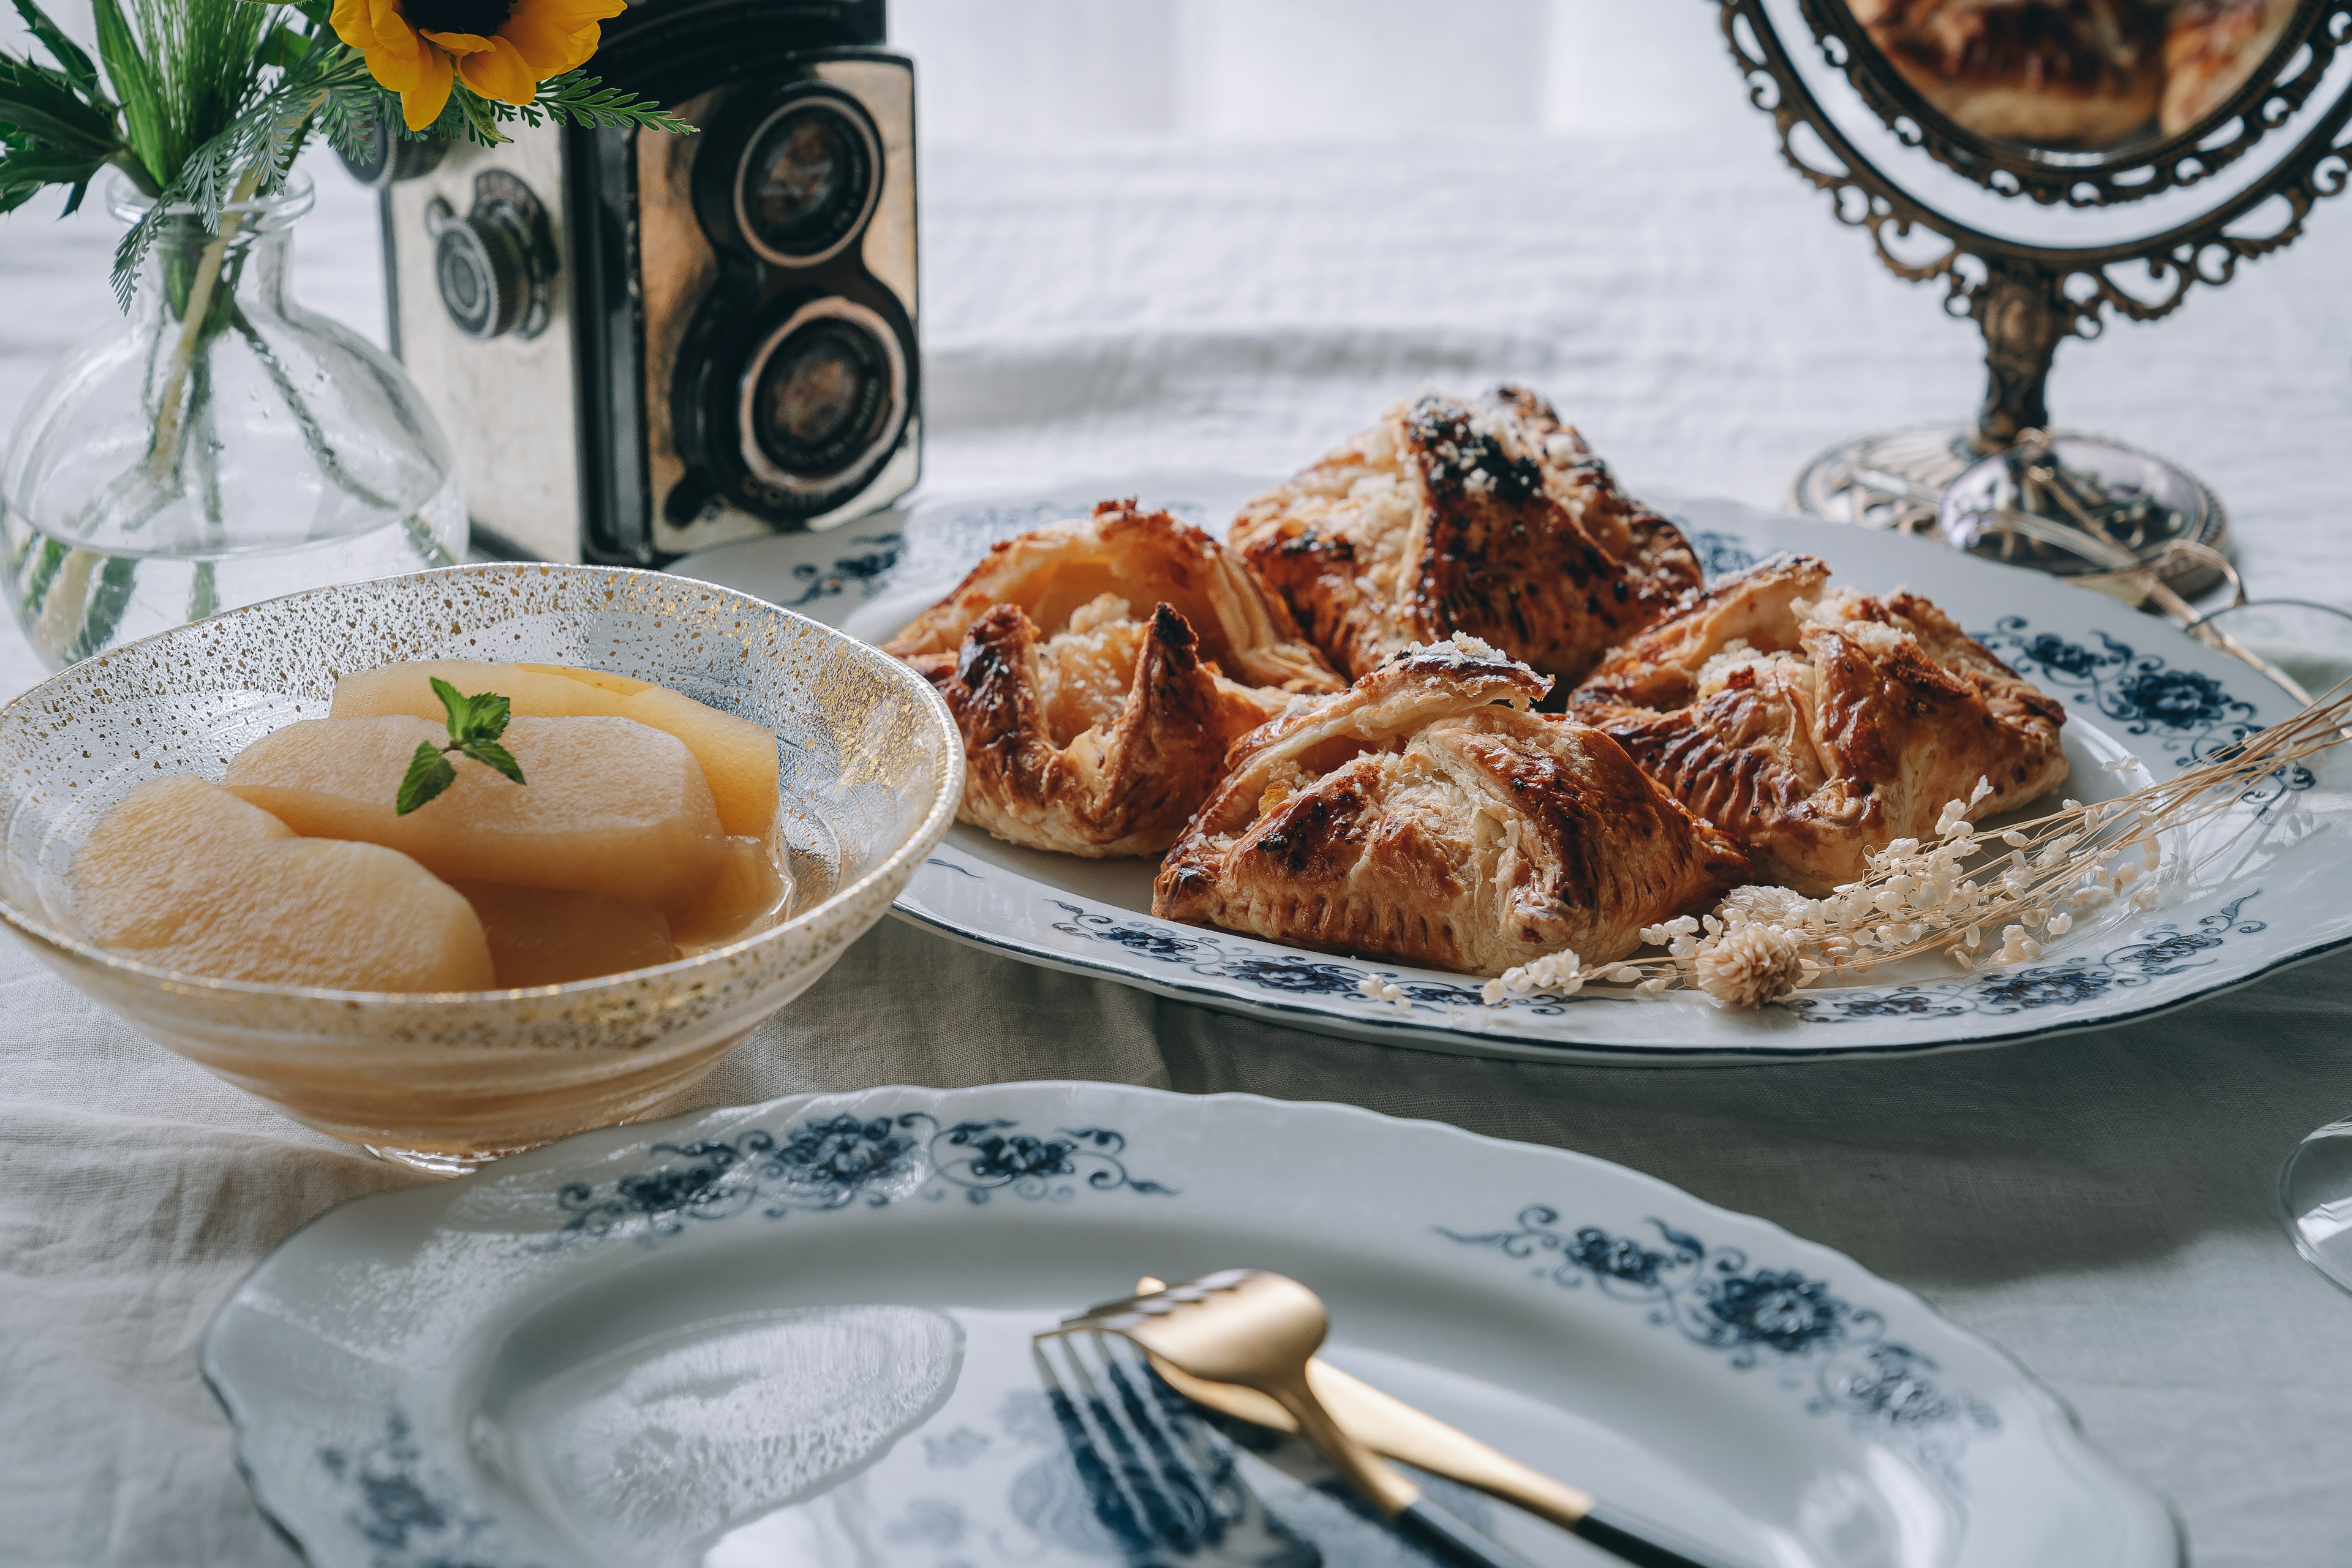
x,y
1375,1420
1258,1330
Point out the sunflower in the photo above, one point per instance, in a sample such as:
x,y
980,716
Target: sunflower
x,y
500,49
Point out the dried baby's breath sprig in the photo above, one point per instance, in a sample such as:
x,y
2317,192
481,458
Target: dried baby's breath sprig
x,y
1982,898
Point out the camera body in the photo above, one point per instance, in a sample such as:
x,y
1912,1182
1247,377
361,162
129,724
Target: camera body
x,y
643,343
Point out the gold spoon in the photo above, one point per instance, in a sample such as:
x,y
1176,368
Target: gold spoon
x,y
1258,1330
1366,1417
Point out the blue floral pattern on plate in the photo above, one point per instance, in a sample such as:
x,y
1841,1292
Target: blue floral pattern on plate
x,y
1778,1317
409,1516
830,1161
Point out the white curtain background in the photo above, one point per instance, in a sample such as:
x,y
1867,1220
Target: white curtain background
x,y
1225,233
1046,78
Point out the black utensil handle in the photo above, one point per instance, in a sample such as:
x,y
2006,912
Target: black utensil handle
x,y
1643,1544
1432,1525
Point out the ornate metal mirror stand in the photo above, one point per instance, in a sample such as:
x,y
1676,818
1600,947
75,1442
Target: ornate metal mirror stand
x,y
2006,485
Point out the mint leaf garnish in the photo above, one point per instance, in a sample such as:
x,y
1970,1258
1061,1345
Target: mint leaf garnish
x,y
475,725
429,774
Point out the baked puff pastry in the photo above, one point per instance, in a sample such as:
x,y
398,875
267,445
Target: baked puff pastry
x,y
1492,519
1099,668
1427,814
1815,724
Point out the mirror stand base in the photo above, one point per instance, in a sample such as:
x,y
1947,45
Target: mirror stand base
x,y
2066,502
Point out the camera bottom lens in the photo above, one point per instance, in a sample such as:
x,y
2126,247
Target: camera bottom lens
x,y
823,397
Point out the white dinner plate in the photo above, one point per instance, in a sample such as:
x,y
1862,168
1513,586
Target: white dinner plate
x,y
796,1335
2258,887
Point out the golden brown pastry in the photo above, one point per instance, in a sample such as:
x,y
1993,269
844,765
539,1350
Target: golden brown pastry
x,y
1427,816
2048,73
1492,519
2210,48
1816,724
1099,668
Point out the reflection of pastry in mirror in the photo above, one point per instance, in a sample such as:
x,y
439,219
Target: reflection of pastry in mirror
x,y
1492,519
2048,73
2210,48
1098,669
1815,724
1426,815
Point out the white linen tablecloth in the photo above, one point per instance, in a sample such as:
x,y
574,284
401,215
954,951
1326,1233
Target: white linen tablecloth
x,y
2100,1206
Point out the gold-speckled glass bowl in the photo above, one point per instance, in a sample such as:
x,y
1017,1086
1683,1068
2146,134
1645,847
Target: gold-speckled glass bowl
x,y
872,765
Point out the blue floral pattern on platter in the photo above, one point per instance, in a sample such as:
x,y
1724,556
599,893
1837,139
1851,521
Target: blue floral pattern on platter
x,y
866,571
409,1517
2160,951
2188,713
1811,1338
1208,954
831,1162
1719,554
2154,953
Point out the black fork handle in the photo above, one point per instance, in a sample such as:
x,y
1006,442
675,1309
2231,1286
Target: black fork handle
x,y
1633,1539
1428,1524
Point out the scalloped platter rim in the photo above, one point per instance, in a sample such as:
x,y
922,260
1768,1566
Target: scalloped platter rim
x,y
767,1334
2257,896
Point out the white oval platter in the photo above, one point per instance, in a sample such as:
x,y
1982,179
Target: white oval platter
x,y
795,1335
2252,891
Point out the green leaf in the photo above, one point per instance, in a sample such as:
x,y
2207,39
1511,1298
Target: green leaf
x,y
127,71
491,712
584,99
429,774
460,708
38,101
24,171
62,49
491,754
282,47
478,718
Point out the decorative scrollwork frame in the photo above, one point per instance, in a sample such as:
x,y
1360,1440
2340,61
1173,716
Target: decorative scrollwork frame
x,y
2265,100
2028,298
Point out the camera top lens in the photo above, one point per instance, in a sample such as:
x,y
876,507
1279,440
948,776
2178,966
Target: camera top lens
x,y
808,178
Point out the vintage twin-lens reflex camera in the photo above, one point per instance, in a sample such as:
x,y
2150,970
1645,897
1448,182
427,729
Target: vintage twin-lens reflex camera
x,y
643,343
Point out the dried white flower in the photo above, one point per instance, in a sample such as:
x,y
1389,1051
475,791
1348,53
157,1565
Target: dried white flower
x,y
1751,966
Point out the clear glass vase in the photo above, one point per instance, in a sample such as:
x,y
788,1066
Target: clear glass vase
x,y
216,446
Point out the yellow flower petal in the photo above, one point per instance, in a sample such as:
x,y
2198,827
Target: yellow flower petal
x,y
420,105
548,50
499,72
570,15
575,20
392,33
461,44
350,21
392,72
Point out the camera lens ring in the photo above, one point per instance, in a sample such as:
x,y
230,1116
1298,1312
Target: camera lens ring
x,y
480,268
846,325
865,141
